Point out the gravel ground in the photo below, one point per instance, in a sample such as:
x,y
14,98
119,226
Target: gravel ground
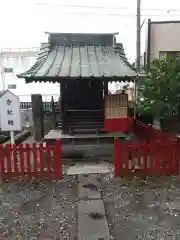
x,y
143,208
30,211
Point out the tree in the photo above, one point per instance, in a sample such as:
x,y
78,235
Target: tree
x,y
159,93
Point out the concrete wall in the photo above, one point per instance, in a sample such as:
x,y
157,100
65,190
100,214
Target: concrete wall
x,y
164,36
21,60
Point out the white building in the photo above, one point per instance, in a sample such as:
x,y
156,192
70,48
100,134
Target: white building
x,y
15,61
163,40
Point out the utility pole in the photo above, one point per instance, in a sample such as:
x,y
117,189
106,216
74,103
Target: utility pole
x,y
138,37
138,49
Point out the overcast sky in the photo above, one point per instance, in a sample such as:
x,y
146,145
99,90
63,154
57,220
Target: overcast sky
x,y
23,22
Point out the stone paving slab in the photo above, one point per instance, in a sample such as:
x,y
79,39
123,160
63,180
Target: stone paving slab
x,y
87,169
88,187
92,223
90,228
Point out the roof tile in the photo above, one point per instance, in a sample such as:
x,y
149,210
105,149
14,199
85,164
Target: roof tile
x,y
80,61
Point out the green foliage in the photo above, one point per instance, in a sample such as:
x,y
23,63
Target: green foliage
x,y
159,93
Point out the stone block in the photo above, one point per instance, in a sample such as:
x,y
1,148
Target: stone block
x,y
88,169
89,187
92,223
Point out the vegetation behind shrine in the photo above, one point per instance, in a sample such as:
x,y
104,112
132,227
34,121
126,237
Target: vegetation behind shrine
x,y
159,93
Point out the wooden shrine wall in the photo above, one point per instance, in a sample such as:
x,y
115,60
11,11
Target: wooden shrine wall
x,y
116,106
83,95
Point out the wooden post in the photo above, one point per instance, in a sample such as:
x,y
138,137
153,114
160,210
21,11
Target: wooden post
x,y
62,104
38,117
58,160
53,113
105,88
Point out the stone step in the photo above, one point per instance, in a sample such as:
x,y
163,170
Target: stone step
x,y
87,168
85,126
82,127
89,118
83,123
87,130
84,115
84,112
83,119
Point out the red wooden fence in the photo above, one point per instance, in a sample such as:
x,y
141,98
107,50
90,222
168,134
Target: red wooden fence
x,y
27,160
148,158
149,133
119,124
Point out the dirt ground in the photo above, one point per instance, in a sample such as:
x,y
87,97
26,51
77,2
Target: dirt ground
x,y
31,211
143,209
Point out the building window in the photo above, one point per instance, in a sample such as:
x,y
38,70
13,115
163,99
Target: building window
x,y
8,70
169,55
12,86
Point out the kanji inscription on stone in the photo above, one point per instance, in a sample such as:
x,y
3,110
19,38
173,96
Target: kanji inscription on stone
x,y
9,102
9,112
10,122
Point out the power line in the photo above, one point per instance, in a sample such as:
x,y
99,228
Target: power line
x,y
104,7
115,14
79,6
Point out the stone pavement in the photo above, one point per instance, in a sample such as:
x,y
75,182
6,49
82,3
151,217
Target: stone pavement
x,y
91,220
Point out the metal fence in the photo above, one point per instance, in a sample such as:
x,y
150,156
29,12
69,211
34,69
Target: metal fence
x,y
46,105
26,117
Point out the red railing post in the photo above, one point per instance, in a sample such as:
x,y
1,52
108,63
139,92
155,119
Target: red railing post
x,y
21,149
145,156
172,163
165,157
14,154
158,149
28,158
169,162
49,159
152,157
1,160
8,158
126,154
58,160
140,154
41,158
176,157
35,160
